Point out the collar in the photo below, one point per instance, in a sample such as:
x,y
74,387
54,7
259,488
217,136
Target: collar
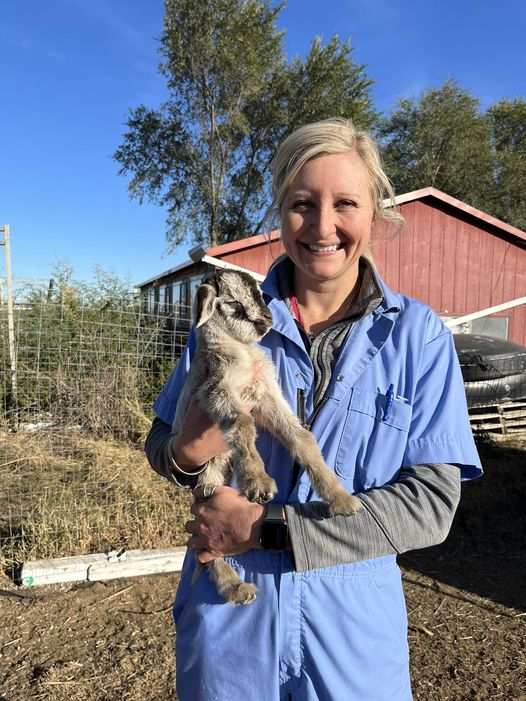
x,y
373,293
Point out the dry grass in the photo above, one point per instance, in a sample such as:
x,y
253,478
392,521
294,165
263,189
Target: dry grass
x,y
67,493
105,403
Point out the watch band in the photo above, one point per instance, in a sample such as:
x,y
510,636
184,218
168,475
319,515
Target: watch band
x,y
275,512
274,529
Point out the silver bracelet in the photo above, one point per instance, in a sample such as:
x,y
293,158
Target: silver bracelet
x,y
176,466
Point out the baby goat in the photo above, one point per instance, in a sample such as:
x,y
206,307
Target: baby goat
x,y
230,317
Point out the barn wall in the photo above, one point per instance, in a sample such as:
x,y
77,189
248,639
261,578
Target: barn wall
x,y
453,262
444,257
256,258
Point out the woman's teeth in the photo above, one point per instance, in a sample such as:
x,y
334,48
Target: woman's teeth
x,y
324,249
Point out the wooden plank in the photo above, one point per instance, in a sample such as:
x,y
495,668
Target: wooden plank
x,y
493,415
484,298
421,251
508,418
459,273
473,272
451,323
449,266
406,253
139,562
436,269
506,406
58,570
520,413
483,426
102,566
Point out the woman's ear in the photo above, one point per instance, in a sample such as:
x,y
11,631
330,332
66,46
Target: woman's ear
x,y
205,303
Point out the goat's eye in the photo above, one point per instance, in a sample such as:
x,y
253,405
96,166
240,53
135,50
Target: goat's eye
x,y
236,307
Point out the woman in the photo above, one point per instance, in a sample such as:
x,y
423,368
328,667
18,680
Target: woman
x,y
375,376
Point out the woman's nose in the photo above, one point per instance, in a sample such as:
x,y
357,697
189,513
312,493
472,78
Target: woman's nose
x,y
324,221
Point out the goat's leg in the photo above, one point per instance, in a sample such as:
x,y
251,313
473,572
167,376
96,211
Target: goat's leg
x,y
252,479
274,414
228,583
239,432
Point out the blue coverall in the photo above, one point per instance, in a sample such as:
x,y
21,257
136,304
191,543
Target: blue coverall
x,y
336,633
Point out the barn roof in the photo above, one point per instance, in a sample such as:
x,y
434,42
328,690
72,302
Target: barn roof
x,y
218,251
431,192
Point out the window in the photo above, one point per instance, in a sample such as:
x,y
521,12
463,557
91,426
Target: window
x,y
169,297
185,311
495,326
162,298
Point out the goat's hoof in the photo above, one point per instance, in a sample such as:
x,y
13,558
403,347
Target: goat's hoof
x,y
345,504
260,489
242,593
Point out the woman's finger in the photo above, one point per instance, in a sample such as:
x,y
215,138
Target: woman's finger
x,y
204,492
203,557
190,527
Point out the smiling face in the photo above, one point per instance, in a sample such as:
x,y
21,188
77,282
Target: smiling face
x,y
326,220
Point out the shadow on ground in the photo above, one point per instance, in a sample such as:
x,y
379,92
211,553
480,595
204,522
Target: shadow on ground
x,y
485,551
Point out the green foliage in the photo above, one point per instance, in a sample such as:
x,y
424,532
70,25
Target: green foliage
x,y
329,84
443,141
508,122
88,355
205,153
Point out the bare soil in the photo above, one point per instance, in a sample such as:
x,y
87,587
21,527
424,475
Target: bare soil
x,y
466,600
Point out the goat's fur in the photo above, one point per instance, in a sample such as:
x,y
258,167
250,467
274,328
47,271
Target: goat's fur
x,y
230,317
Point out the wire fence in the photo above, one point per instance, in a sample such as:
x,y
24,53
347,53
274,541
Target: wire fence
x,y
76,406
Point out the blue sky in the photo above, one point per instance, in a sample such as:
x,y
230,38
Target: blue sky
x,y
71,69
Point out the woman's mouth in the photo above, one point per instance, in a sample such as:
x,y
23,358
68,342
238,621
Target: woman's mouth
x,y
323,249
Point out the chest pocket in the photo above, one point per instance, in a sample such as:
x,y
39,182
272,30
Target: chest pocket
x,y
371,448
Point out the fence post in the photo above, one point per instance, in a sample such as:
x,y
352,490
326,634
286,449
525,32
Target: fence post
x,y
10,320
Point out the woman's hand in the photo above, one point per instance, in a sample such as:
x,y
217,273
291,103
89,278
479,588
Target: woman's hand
x,y
199,439
225,524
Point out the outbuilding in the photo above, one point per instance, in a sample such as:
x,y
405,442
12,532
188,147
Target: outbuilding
x,y
449,255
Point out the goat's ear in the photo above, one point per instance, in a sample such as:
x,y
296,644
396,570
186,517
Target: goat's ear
x,y
205,304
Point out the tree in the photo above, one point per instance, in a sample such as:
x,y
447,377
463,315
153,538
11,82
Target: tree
x,y
206,152
508,123
443,141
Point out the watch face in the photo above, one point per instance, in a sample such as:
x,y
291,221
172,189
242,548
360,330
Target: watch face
x,y
274,535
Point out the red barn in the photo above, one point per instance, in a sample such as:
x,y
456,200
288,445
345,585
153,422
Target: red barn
x,y
449,255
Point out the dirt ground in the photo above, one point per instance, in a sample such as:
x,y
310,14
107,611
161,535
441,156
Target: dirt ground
x,y
466,601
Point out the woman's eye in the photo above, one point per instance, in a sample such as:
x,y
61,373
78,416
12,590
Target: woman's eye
x,y
301,205
346,204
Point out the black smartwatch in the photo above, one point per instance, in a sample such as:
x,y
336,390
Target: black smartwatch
x,y
274,529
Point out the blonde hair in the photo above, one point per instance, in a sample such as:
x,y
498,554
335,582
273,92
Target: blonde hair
x,y
332,136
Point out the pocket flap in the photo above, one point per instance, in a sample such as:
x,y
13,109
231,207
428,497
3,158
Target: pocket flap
x,y
374,404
